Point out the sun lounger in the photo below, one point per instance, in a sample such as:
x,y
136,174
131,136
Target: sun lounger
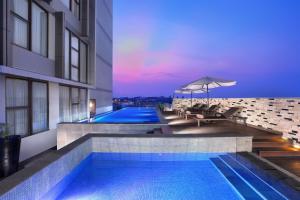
x,y
211,110
228,115
197,108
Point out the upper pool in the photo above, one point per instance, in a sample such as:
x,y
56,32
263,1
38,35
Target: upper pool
x,y
129,115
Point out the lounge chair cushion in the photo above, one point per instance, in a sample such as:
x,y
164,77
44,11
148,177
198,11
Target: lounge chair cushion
x,y
199,116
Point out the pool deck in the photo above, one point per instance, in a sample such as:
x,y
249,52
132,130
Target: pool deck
x,y
266,144
270,152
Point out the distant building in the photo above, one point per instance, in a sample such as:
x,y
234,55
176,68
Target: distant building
x,y
55,55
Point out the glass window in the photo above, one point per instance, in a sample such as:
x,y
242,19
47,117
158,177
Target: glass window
x,y
38,18
76,8
66,3
17,106
64,104
75,42
20,34
39,107
67,55
75,104
39,30
72,104
20,117
20,7
83,104
83,63
75,58
20,22
74,72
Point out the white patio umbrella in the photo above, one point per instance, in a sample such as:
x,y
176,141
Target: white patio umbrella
x,y
189,91
207,83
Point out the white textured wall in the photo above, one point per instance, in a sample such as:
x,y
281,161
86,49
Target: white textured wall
x,y
172,144
67,133
279,114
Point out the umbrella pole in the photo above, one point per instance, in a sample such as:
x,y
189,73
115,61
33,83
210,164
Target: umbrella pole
x,y
191,98
207,95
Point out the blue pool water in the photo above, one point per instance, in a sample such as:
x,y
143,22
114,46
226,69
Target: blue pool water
x,y
146,177
130,115
129,176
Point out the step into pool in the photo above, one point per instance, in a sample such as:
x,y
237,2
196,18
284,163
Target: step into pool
x,y
147,176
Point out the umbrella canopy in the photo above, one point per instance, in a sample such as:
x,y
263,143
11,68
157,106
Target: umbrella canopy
x,y
186,91
207,83
189,91
211,82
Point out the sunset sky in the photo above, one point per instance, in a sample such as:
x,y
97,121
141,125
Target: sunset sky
x,y
160,45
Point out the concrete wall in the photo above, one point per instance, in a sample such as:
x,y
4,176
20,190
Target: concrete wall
x,y
67,132
103,61
171,144
279,114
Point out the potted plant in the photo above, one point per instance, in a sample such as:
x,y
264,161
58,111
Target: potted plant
x,y
9,151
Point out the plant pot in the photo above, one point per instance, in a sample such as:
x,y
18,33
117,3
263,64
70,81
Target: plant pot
x,y
9,155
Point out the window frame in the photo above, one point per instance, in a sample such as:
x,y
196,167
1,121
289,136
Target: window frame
x,y
47,31
28,23
29,27
70,8
29,104
71,34
31,109
71,48
70,99
77,2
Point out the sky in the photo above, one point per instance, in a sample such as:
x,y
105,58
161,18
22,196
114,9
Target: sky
x,y
160,45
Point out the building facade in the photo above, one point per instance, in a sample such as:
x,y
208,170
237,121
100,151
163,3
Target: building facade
x,y
55,55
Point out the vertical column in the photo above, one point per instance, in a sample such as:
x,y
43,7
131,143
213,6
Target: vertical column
x,y
92,43
85,18
53,105
2,32
2,99
59,44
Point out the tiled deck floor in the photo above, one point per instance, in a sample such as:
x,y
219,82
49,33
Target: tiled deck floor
x,y
221,128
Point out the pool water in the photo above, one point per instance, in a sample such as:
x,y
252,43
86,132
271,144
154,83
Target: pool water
x,y
148,176
130,115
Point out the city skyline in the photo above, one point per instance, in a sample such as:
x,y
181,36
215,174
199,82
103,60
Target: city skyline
x,y
160,46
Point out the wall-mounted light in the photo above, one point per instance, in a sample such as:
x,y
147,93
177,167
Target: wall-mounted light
x,y
296,146
284,138
92,107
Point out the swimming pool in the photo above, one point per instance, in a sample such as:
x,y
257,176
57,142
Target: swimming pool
x,y
148,176
129,115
